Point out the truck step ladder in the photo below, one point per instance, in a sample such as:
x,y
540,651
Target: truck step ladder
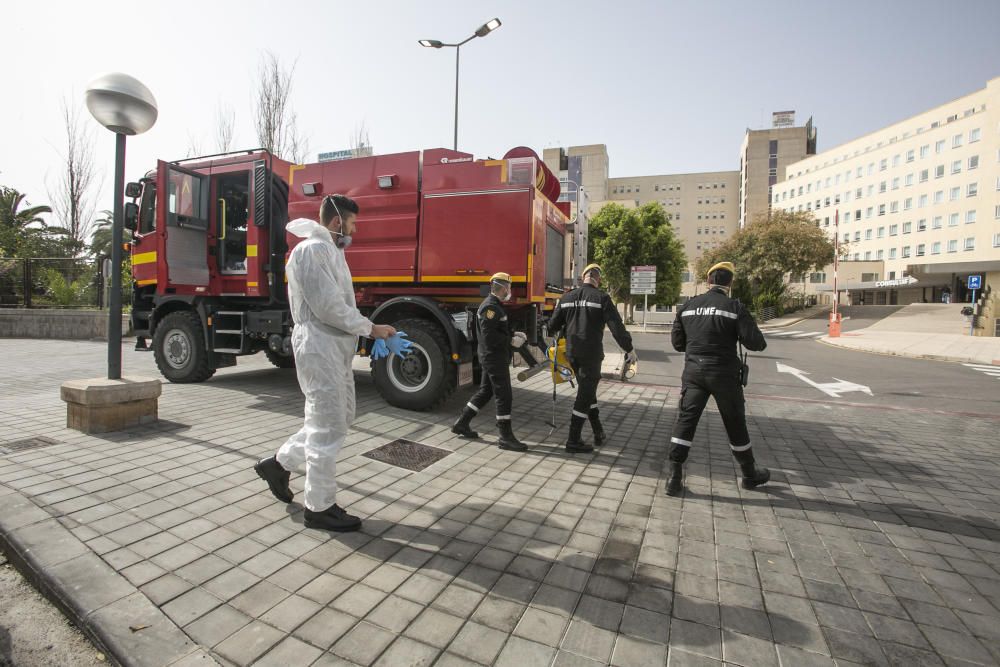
x,y
228,329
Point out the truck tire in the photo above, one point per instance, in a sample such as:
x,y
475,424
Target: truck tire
x,y
426,377
179,348
278,359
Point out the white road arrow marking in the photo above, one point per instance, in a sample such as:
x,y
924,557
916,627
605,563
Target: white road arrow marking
x,y
834,389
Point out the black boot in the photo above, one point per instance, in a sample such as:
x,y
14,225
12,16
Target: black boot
x,y
507,438
333,518
754,476
276,477
675,485
575,443
461,427
595,423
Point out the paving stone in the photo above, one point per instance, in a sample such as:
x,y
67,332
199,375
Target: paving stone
x,y
956,645
325,627
405,651
789,655
854,647
542,627
217,625
478,642
589,641
394,614
631,652
740,649
249,643
498,613
435,627
190,606
290,613
363,644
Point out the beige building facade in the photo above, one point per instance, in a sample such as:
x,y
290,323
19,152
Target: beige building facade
x,y
764,155
921,195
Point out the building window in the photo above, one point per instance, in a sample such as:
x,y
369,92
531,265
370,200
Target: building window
x,y
970,217
909,180
907,227
920,249
924,175
925,150
685,276
922,201
939,146
910,155
880,254
906,251
953,246
973,162
936,224
893,230
881,209
972,190
895,160
939,171
908,203
996,240
816,278
954,194
996,212
894,207
868,235
868,255
956,167
939,196
956,141
881,232
953,220
847,238
970,243
973,135
881,186
882,164
936,248
922,225
895,183
892,253
857,236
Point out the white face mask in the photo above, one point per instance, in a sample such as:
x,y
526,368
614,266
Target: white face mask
x,y
344,240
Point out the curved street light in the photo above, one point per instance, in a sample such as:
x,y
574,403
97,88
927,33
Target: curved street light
x,y
481,31
125,106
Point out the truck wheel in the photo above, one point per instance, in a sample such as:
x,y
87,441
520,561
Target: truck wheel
x,y
179,348
426,377
278,359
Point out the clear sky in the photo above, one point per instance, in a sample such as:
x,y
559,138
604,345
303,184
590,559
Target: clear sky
x,y
669,86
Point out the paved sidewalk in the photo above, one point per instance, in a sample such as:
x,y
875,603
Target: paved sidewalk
x,y
876,543
942,347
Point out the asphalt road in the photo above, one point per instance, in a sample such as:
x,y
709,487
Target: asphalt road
x,y
813,370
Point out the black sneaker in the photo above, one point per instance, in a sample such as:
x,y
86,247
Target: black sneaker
x,y
276,477
335,518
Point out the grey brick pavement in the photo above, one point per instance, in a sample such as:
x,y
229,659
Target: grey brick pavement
x,y
877,542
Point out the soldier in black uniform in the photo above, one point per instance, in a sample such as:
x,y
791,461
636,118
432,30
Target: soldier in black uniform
x,y
583,313
495,343
707,329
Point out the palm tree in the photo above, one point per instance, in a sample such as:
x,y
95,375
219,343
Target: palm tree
x,y
100,240
17,220
24,233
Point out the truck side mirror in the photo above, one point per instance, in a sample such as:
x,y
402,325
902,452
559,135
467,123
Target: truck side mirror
x,y
131,216
133,190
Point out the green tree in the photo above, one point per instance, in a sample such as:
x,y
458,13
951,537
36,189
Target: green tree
x,y
24,233
100,240
772,246
620,238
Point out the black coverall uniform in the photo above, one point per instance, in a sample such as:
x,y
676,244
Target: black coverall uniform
x,y
583,313
707,329
494,358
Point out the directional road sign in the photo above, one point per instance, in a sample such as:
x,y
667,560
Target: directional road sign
x,y
643,280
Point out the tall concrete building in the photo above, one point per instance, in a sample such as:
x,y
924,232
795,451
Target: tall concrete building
x,y
764,155
921,195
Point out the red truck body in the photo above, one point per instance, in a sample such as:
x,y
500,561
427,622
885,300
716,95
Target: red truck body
x,y
209,249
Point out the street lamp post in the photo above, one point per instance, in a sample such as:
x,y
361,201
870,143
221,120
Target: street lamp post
x,y
481,31
125,106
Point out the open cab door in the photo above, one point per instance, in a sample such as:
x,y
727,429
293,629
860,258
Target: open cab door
x,y
183,204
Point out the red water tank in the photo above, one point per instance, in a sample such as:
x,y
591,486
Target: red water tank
x,y
545,180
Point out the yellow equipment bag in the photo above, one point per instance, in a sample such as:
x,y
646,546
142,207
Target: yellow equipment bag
x,y
561,371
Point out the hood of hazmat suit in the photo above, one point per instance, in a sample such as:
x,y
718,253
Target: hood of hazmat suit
x,y
324,341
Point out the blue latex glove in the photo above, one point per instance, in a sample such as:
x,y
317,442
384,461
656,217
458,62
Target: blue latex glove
x,y
379,350
398,344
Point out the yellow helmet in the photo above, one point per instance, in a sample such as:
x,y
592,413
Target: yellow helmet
x,y
590,267
723,266
500,277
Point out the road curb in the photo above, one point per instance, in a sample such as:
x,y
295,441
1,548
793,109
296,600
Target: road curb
x,y
788,324
89,592
929,357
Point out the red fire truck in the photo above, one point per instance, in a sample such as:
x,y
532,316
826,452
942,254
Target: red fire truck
x,y
209,250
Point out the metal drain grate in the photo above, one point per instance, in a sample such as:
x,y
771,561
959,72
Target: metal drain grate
x,y
407,454
25,444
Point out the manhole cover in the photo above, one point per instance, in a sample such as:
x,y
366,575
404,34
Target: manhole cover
x,y
25,444
407,454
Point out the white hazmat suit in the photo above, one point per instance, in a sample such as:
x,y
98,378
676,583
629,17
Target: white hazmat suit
x,y
324,342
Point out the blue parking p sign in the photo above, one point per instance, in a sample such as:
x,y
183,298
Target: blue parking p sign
x,y
975,282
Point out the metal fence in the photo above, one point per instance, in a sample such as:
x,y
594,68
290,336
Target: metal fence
x,y
55,282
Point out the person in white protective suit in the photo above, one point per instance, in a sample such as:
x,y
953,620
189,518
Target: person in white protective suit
x,y
324,342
